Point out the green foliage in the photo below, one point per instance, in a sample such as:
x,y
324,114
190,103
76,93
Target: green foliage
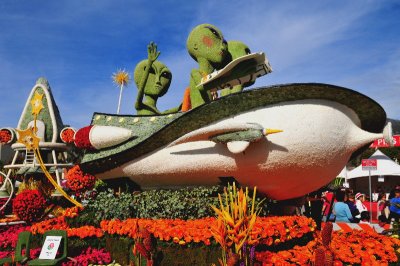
x,y
336,183
186,203
100,185
105,206
119,248
177,255
108,206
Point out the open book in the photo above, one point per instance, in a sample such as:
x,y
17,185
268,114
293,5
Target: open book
x,y
220,78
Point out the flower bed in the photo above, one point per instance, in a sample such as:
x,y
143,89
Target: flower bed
x,y
179,238
355,247
9,235
90,256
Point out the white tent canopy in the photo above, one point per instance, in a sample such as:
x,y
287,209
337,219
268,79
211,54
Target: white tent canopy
x,y
344,173
385,166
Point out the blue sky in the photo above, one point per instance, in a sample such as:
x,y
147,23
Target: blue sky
x,y
77,45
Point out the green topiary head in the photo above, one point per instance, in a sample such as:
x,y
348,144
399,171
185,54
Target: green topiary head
x,y
238,49
206,41
235,49
159,78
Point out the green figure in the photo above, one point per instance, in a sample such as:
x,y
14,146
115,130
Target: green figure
x,y
152,79
236,49
207,46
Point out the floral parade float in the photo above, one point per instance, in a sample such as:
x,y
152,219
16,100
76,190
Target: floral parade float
x,y
283,140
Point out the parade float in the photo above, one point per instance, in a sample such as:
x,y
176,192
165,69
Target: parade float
x,y
200,172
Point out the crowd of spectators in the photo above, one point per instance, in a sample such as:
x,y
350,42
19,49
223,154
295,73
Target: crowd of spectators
x,y
347,206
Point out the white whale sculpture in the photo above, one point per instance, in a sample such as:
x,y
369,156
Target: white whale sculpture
x,y
319,136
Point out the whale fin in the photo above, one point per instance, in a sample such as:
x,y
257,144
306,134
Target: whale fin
x,y
388,134
213,131
237,146
247,135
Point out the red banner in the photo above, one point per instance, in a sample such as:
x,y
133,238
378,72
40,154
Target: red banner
x,y
381,143
369,164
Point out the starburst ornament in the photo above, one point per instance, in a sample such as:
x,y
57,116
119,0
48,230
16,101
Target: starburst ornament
x,y
36,103
28,138
121,79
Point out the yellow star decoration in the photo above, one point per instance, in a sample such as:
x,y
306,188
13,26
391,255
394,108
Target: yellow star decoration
x,y
28,138
37,104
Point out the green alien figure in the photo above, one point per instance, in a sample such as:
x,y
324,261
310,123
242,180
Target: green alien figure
x,y
236,49
152,79
207,46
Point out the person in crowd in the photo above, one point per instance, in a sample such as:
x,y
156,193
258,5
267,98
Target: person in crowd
x,y
365,217
382,205
383,221
313,207
383,225
351,202
395,206
340,209
360,198
391,194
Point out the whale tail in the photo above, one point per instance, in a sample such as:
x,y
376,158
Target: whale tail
x,y
388,134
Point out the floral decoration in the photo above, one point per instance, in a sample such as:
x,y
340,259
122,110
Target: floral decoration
x,y
354,247
199,231
57,223
349,248
85,231
29,205
79,181
90,256
236,217
9,235
72,212
82,140
5,136
67,135
364,247
5,254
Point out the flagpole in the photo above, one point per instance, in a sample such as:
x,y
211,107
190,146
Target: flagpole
x,y
370,196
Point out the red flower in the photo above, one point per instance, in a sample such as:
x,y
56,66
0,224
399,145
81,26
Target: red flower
x,y
9,235
5,136
67,135
90,256
82,140
79,181
29,205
